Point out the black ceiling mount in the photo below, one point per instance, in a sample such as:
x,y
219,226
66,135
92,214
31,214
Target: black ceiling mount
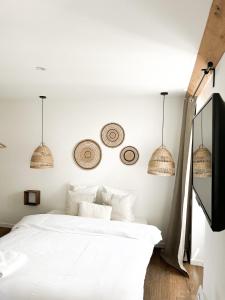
x,y
209,68
164,93
206,71
42,97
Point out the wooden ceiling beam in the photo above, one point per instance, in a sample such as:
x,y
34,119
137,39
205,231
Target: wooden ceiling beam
x,y
212,46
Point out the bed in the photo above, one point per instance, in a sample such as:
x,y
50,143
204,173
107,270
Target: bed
x,y
77,258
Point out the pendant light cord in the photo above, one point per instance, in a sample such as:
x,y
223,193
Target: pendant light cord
x,y
163,119
42,122
201,130
42,118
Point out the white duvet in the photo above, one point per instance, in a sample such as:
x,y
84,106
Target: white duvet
x,y
75,258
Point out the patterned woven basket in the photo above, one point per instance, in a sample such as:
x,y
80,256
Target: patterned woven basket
x,y
112,135
202,166
87,154
161,163
42,158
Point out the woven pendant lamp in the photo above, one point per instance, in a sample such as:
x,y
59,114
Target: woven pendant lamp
x,y
202,162
42,157
161,162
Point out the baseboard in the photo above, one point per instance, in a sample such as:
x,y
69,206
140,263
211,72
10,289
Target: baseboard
x,y
7,225
196,262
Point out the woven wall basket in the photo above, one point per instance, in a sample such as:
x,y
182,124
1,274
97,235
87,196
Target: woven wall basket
x,y
202,164
42,158
87,154
161,163
112,135
129,155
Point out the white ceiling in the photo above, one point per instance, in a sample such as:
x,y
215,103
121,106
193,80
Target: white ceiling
x,y
132,47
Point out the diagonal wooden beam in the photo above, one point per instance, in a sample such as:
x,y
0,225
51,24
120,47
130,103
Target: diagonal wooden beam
x,y
212,46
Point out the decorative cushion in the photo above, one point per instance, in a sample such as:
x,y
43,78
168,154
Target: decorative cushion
x,y
78,194
121,202
105,188
91,210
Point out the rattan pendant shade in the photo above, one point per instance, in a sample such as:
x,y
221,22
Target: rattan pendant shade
x,y
202,165
202,162
161,162
42,157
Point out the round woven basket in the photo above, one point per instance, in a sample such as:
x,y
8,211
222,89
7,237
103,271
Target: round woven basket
x,y
202,164
129,155
112,135
42,158
87,154
161,163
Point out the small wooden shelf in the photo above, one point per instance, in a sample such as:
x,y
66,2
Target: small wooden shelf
x,y
32,197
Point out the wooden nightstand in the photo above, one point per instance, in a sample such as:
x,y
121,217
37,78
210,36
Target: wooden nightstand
x,y
4,231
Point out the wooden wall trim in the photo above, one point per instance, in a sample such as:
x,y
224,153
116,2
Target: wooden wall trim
x,y
212,46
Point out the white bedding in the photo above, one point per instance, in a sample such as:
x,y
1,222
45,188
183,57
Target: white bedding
x,y
75,258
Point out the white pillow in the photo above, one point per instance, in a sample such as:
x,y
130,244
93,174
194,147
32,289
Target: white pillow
x,y
122,205
80,193
105,188
75,187
91,210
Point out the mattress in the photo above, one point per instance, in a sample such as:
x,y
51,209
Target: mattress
x,y
75,258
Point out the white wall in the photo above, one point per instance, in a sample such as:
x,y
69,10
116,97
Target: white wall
x,y
198,233
214,265
68,119
214,244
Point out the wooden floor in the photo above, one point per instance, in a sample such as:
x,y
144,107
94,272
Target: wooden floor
x,y
162,282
